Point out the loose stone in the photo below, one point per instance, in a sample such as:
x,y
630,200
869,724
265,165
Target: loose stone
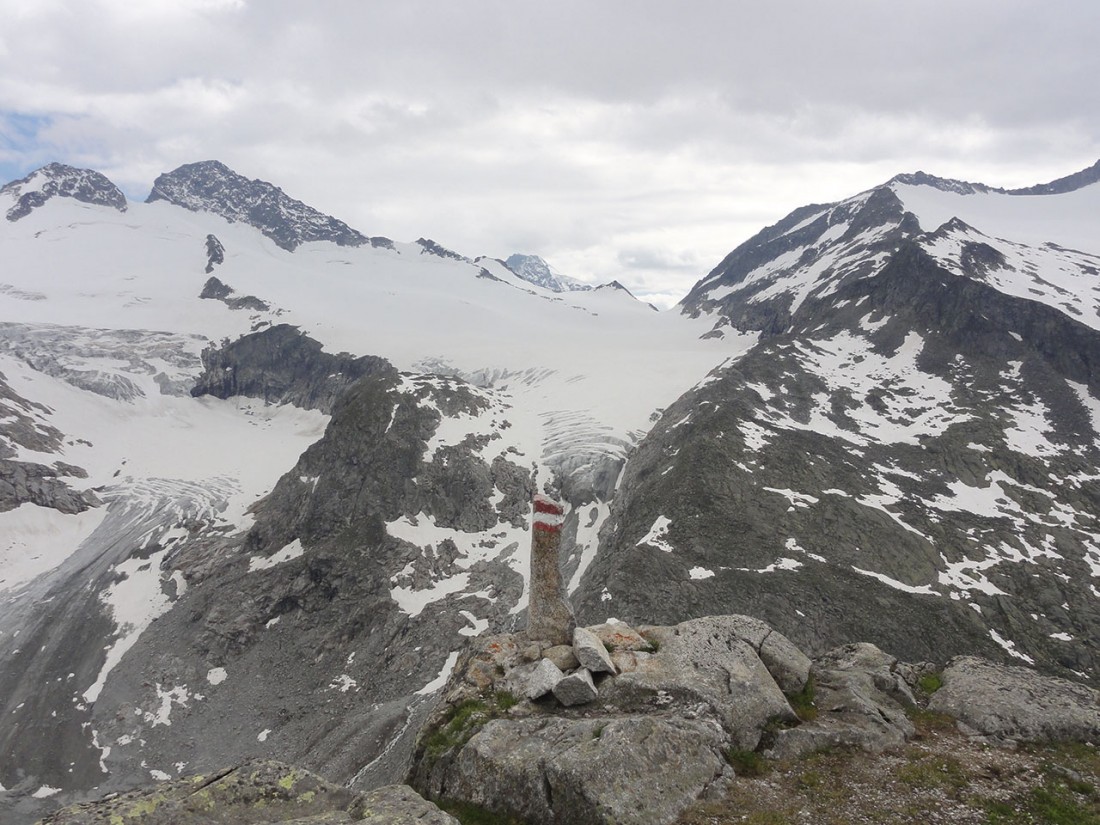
x,y
591,653
576,688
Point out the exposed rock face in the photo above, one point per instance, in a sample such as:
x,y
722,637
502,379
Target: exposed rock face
x,y
430,247
591,652
597,770
1069,183
260,793
211,186
860,701
22,426
282,366
1016,703
706,662
543,679
399,805
215,254
305,638
23,482
216,290
56,180
576,689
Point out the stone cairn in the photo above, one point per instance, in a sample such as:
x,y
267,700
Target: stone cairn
x,y
550,619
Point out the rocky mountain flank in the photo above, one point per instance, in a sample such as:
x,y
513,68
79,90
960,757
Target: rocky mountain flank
x,y
908,456
285,640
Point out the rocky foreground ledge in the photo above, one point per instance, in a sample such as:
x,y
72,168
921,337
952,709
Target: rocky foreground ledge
x,y
257,793
634,725
631,726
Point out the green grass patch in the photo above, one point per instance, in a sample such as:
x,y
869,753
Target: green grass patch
x,y
469,814
929,721
505,700
464,720
1053,803
810,780
930,682
934,773
746,763
457,728
802,702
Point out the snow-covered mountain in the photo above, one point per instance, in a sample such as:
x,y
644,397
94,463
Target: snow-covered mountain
x,y
166,364
261,475
911,450
537,271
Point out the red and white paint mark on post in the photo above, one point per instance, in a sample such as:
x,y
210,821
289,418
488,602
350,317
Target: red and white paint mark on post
x,y
549,614
549,515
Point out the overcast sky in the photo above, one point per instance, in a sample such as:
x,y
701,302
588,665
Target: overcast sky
x,y
632,139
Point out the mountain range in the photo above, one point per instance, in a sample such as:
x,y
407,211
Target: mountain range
x,y
262,475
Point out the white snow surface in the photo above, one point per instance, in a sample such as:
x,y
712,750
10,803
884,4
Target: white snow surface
x,y
291,551
36,539
656,535
444,674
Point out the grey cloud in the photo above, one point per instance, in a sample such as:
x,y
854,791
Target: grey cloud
x,y
658,259
599,135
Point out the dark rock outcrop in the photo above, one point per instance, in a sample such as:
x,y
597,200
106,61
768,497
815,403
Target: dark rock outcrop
x,y
535,270
23,482
215,253
1069,183
215,290
430,247
210,186
300,638
282,366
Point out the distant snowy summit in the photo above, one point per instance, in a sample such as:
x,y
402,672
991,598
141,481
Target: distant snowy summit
x,y
211,186
59,180
537,271
1069,183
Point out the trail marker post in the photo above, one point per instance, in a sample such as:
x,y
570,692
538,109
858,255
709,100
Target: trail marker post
x,y
549,614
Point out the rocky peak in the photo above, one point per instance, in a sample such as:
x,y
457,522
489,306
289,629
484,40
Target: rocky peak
x,y
430,247
1070,183
59,180
537,271
960,187
211,186
786,269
